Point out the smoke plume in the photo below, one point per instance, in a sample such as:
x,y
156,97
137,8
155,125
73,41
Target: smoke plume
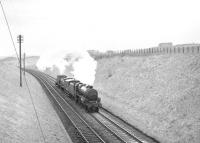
x,y
77,64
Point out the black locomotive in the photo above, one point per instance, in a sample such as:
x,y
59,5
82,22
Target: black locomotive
x,y
83,94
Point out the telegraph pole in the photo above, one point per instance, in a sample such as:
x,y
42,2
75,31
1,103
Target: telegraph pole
x,y
20,40
24,63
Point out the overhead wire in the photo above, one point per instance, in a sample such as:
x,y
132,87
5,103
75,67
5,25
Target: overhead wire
x,y
36,114
8,26
34,109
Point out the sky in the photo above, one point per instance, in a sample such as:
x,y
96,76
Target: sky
x,y
53,25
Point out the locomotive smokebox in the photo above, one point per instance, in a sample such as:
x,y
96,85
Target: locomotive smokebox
x,y
88,92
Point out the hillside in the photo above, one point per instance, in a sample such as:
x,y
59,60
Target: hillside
x,y
30,61
158,94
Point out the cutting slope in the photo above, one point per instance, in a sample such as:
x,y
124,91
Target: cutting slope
x,y
158,94
18,122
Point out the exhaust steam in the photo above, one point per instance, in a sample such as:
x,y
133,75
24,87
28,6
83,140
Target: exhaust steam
x,y
79,65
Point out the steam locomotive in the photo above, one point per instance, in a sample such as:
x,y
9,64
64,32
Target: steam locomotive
x,y
83,94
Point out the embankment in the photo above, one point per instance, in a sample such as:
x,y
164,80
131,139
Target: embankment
x,y
158,94
18,121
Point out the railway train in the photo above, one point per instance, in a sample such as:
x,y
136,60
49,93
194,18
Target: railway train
x,y
83,94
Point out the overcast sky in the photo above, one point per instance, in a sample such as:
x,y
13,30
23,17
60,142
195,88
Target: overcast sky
x,y
104,24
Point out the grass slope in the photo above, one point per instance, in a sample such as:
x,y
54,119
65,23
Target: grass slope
x,y
18,121
158,94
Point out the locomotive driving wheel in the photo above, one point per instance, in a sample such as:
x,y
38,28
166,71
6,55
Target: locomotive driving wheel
x,y
97,109
87,109
76,99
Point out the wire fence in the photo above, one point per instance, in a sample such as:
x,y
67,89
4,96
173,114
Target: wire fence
x,y
149,51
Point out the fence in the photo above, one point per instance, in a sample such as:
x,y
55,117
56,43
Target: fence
x,y
150,51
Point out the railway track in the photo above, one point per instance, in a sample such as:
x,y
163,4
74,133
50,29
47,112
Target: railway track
x,y
126,131
107,126
87,133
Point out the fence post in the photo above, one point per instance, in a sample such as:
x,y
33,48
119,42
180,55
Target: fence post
x,y
195,50
160,50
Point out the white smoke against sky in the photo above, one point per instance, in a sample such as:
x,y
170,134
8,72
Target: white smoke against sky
x,y
50,59
83,65
84,68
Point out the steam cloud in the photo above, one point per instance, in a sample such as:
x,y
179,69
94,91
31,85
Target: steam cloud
x,y
74,64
